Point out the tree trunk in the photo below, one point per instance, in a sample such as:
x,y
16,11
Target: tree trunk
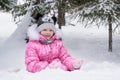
x,y
110,33
61,13
59,17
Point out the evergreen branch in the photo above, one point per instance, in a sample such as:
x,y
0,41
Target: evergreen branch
x,y
6,4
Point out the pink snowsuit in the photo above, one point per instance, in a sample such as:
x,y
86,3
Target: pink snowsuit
x,y
39,56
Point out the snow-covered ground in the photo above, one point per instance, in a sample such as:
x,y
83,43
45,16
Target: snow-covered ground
x,y
89,44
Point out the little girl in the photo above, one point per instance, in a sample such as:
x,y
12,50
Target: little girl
x,y
46,50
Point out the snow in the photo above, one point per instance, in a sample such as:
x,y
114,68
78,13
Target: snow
x,y
20,2
89,44
7,24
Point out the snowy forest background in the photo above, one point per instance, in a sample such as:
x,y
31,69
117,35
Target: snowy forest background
x,y
90,31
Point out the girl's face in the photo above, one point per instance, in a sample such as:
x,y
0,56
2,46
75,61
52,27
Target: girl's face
x,y
48,33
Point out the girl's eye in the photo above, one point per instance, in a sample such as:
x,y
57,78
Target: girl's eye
x,y
50,30
44,29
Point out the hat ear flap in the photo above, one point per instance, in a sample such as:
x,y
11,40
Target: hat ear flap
x,y
54,19
38,15
38,18
39,22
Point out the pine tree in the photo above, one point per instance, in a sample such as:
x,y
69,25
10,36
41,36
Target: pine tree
x,y
101,12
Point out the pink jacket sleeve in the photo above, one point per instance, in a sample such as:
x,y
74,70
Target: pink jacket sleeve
x,y
32,61
66,58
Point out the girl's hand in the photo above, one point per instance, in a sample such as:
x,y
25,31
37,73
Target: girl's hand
x,y
55,65
77,64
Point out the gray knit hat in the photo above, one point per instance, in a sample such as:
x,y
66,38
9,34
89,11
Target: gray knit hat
x,y
47,23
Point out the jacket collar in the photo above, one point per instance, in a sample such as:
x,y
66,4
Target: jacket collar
x,y
45,41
